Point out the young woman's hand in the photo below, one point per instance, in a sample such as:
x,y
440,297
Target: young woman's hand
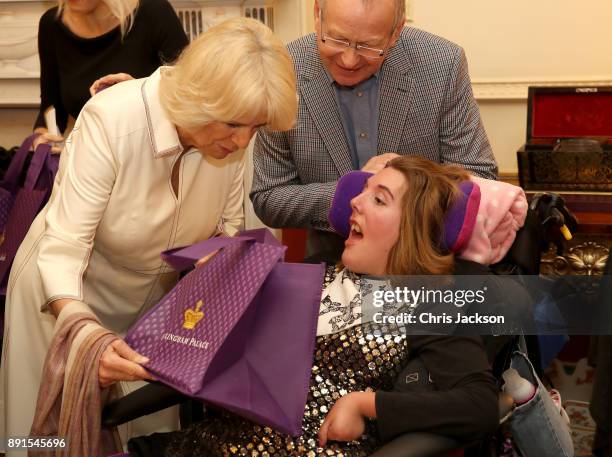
x,y
119,362
107,81
346,420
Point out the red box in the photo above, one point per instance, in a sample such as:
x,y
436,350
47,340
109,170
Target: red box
x,y
553,157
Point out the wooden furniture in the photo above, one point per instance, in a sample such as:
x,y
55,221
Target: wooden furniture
x,y
588,251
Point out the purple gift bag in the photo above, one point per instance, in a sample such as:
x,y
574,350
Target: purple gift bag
x,y
239,331
10,183
25,202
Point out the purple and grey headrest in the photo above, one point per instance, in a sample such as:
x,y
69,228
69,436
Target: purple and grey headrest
x,y
460,219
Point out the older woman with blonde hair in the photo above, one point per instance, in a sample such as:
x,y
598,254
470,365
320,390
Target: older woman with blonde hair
x,y
99,42
151,164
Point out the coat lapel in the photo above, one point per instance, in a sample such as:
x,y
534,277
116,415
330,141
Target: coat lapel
x,y
395,93
318,95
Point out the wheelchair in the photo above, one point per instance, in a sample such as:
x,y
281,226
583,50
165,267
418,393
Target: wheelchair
x,y
546,219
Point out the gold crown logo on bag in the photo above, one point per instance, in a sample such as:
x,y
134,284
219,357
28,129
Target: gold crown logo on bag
x,y
192,317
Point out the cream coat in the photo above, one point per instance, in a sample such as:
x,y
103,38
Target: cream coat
x,y
111,214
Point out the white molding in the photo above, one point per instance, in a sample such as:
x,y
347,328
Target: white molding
x,y
514,89
202,3
220,3
24,91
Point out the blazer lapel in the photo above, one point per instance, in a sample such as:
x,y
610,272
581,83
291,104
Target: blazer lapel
x,y
318,95
394,100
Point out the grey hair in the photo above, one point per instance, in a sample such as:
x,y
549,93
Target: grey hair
x,y
399,14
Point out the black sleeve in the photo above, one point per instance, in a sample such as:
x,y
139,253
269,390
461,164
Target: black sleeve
x,y
464,404
49,72
170,38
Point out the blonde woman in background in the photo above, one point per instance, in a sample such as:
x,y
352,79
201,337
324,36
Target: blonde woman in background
x,y
151,164
81,41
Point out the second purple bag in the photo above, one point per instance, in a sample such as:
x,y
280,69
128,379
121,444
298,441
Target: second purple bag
x,y
20,205
238,332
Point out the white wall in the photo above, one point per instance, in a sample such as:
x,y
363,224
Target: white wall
x,y
511,45
290,20
525,39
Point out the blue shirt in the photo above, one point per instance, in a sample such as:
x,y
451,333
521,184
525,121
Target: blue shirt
x,y
359,112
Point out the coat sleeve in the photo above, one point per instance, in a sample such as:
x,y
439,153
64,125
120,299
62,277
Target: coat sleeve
x,y
463,139
84,186
232,219
279,197
464,405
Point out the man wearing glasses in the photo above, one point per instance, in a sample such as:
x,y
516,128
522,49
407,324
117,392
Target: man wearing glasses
x,y
368,86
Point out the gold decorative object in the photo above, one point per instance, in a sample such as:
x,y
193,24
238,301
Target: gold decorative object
x,y
587,258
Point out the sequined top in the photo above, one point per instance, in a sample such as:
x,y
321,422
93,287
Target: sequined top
x,y
351,359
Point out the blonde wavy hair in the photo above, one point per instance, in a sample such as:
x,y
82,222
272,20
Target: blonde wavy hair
x,y
236,69
123,10
431,189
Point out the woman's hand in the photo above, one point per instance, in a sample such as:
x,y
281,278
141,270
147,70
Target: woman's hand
x,y
346,420
119,362
46,137
377,163
107,81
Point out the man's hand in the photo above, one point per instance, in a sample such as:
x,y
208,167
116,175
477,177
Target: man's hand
x,y
119,362
346,420
107,81
377,163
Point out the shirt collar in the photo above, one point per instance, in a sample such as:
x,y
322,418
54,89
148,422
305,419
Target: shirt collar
x,y
336,85
162,132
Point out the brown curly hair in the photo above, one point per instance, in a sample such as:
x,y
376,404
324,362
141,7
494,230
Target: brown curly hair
x,y
431,189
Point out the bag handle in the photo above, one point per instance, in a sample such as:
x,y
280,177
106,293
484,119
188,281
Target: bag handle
x,y
13,172
42,153
184,257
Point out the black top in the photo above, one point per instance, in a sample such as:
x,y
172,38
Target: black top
x,y
446,389
70,64
455,393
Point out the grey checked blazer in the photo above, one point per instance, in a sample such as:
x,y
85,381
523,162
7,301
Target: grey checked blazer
x,y
426,108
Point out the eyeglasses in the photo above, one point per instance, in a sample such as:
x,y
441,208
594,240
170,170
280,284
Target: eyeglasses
x,y
343,45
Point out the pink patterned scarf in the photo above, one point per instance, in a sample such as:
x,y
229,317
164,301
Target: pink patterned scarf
x,y
69,404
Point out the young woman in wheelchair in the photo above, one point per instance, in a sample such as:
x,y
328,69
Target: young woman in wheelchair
x,y
370,384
